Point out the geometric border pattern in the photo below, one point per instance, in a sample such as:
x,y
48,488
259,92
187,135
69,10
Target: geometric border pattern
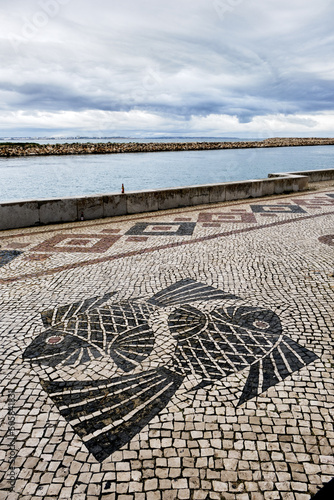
x,y
156,248
98,243
162,229
279,208
235,216
316,202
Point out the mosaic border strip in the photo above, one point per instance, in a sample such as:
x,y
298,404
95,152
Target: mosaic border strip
x,y
160,247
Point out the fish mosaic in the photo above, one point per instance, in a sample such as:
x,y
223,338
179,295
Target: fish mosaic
x,y
187,332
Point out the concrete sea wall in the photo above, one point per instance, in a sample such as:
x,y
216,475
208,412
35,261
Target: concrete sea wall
x,y
27,213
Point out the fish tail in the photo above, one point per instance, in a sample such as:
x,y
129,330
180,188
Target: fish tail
x,y
287,358
107,414
185,291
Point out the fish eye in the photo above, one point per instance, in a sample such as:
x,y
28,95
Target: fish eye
x,y
261,324
54,339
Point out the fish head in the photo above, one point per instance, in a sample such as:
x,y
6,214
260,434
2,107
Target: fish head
x,y
255,320
52,347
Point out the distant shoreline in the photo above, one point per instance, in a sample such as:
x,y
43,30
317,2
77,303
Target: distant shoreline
x,y
33,149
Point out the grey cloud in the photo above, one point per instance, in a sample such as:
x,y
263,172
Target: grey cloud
x,y
177,59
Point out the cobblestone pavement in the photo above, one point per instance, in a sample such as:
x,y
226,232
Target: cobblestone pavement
x,y
180,354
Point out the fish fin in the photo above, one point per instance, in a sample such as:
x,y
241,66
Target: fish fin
x,y
185,291
186,321
296,354
108,414
132,347
52,317
287,358
47,317
131,337
251,387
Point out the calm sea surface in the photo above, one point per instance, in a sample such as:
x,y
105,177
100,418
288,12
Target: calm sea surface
x,y
59,176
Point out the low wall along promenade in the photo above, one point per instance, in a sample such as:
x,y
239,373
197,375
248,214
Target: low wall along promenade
x,y
26,213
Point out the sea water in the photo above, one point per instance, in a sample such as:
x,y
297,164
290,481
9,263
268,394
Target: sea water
x,y
42,177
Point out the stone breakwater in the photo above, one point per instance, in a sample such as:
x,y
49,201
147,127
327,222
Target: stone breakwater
x,y
28,149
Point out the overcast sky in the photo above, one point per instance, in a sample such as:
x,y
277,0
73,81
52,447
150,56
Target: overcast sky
x,y
242,68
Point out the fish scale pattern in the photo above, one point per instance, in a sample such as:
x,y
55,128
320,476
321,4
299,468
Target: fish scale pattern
x,y
121,331
223,341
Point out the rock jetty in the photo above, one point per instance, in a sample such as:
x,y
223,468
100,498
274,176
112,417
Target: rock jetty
x,y
89,148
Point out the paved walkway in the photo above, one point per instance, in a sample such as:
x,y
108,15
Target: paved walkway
x,y
180,354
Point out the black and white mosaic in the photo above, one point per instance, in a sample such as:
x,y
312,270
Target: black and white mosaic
x,y
167,367
162,229
281,208
188,331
